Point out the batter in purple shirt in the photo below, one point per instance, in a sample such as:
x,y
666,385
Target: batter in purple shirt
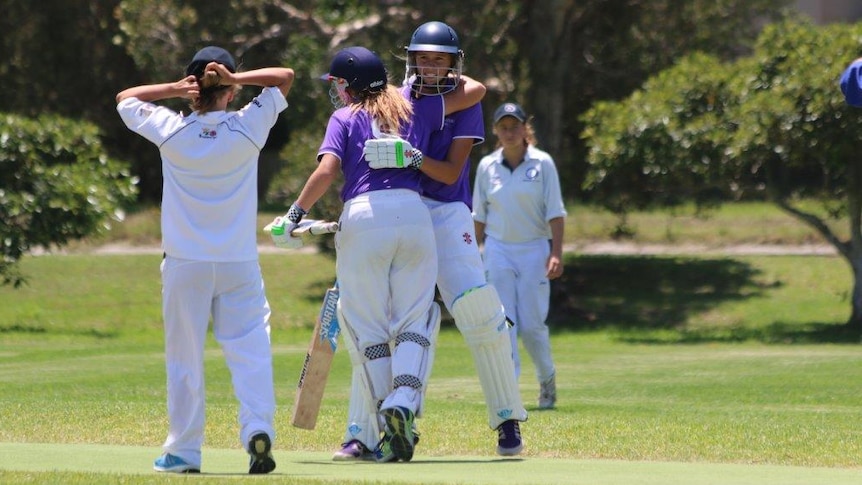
x,y
386,258
434,65
466,124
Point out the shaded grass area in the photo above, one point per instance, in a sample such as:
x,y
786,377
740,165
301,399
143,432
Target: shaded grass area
x,y
661,299
786,299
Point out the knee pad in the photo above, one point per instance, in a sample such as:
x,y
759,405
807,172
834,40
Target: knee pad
x,y
425,336
413,357
373,363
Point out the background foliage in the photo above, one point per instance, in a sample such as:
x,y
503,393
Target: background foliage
x,y
555,57
692,100
56,185
773,123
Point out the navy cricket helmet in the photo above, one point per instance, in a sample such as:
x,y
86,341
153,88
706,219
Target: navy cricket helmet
x,y
434,36
356,68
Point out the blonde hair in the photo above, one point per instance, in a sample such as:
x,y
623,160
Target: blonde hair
x,y
530,136
387,106
210,91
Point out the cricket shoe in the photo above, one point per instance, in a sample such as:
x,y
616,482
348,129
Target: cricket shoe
x,y
509,441
399,424
353,450
383,451
260,449
174,464
548,393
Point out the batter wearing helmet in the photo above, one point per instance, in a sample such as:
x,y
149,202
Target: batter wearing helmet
x,y
434,68
386,260
362,437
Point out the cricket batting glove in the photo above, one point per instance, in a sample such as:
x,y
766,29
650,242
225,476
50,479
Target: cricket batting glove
x,y
392,153
282,226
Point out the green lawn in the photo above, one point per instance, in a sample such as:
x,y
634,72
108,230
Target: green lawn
x,y
670,370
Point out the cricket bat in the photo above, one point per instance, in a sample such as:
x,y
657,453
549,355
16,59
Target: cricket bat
x,y
314,227
318,360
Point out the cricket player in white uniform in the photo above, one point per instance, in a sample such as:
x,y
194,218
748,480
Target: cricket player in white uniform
x,y
210,269
434,65
520,215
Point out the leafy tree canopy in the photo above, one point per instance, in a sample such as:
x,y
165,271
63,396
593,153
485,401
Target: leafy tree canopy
x,y
56,184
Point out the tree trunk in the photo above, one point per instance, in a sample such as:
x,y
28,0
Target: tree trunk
x,y
855,320
548,51
851,249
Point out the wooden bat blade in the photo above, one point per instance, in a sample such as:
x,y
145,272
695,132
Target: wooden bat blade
x,y
318,361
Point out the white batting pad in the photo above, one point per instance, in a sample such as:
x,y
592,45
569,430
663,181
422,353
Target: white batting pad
x,y
362,418
480,317
362,401
433,331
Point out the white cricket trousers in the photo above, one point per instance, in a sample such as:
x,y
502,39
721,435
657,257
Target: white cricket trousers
x,y
233,295
459,262
386,266
519,273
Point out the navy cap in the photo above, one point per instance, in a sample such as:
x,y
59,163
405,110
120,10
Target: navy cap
x,y
210,54
361,67
510,109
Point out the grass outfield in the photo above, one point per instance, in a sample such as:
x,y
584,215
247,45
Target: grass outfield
x,y
670,370
75,464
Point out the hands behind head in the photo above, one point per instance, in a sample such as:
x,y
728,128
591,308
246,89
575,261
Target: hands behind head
x,y
187,87
223,75
215,74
